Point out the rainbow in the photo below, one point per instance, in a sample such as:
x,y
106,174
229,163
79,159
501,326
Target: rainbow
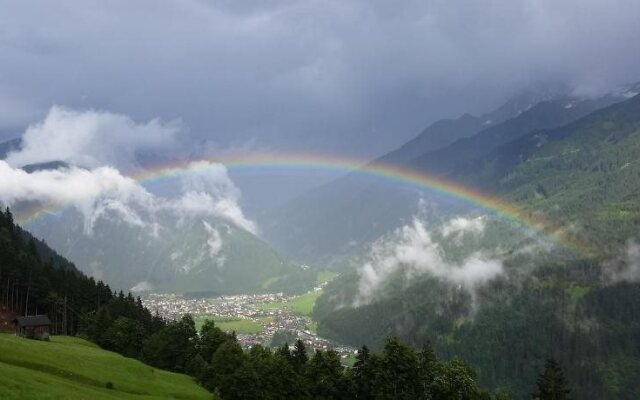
x,y
421,180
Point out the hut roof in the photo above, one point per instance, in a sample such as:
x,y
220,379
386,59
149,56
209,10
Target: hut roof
x,y
33,320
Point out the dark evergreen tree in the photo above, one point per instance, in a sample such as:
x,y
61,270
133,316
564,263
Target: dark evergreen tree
x,y
227,359
299,356
211,337
398,376
362,376
326,378
173,346
551,384
124,336
427,369
455,379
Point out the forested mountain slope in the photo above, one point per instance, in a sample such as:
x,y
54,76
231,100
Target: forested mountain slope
x,y
133,243
582,310
546,114
586,173
69,367
183,253
353,211
443,133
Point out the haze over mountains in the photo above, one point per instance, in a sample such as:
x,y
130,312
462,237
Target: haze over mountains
x,y
353,211
559,276
527,296
460,177
189,233
413,263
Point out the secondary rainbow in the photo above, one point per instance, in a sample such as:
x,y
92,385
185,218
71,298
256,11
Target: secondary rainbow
x,y
347,165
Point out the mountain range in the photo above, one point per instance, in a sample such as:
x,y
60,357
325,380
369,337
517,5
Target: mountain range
x,y
141,242
337,219
185,254
426,266
582,308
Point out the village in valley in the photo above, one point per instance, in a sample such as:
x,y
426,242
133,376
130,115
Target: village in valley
x,y
266,319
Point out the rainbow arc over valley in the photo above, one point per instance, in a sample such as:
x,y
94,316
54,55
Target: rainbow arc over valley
x,y
377,170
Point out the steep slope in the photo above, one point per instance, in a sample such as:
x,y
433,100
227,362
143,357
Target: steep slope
x,y
444,132
547,114
169,252
584,175
349,213
72,368
510,326
586,172
188,240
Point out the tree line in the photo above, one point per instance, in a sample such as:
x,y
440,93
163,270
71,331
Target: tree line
x,y
78,305
398,372
35,280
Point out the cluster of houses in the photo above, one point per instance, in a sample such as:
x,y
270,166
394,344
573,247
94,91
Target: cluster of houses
x,y
258,308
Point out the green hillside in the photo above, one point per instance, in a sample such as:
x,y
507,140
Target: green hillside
x,y
72,368
176,258
584,176
353,211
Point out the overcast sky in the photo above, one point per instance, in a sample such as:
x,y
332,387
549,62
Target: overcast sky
x,y
356,77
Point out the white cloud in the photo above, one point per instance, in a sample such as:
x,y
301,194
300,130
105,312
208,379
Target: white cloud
x,y
274,69
411,250
104,193
215,241
63,186
628,268
91,139
214,244
194,203
105,142
461,225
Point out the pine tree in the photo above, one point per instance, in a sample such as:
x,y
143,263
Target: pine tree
x,y
427,365
399,374
551,384
326,377
226,360
362,376
211,337
455,379
299,356
285,352
9,218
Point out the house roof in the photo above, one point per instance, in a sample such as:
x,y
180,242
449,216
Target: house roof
x,y
33,320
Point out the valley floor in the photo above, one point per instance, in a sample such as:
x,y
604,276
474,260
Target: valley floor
x,y
255,318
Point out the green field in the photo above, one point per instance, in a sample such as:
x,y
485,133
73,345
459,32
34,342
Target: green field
x,y
239,325
72,368
325,276
302,305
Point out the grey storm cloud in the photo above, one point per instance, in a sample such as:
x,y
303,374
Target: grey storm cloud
x,y
304,74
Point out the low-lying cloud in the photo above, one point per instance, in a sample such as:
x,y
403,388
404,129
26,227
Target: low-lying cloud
x,y
628,267
411,250
91,139
97,146
63,186
459,226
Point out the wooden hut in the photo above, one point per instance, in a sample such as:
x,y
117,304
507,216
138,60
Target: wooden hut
x,y
33,327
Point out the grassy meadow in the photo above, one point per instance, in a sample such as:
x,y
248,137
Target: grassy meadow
x,y
72,368
238,325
